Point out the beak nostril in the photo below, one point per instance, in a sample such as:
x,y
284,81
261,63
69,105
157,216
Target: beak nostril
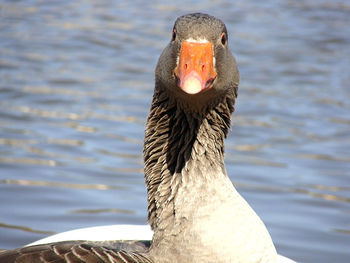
x,y
203,67
186,66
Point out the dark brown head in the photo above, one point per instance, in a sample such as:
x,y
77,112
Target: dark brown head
x,y
196,68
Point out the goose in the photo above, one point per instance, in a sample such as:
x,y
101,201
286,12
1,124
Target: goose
x,y
194,211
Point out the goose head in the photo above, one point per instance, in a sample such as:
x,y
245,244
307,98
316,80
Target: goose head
x,y
197,68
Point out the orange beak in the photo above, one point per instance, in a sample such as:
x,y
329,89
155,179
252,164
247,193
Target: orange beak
x,y
195,71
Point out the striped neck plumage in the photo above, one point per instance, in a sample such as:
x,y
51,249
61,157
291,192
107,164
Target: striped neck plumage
x,y
175,141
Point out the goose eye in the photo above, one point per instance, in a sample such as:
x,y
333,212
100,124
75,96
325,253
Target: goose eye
x,y
223,39
174,35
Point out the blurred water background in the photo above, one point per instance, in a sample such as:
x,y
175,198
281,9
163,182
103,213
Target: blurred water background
x,y
76,81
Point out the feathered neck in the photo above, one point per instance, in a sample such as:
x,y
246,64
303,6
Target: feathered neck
x,y
177,139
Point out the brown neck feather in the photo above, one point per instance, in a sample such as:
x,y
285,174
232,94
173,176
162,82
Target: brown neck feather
x,y
173,136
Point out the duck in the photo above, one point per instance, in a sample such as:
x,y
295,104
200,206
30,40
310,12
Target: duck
x,y
195,213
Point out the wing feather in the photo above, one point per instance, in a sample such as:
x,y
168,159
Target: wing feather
x,y
79,252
